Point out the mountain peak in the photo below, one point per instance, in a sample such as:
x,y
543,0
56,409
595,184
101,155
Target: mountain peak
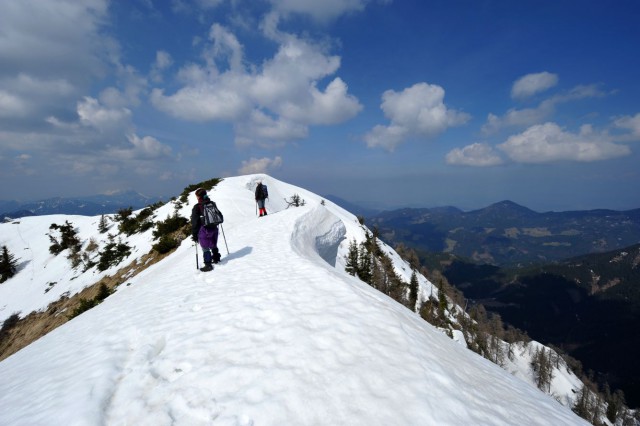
x,y
508,205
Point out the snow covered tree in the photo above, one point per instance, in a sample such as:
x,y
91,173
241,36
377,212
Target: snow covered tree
x,y
8,265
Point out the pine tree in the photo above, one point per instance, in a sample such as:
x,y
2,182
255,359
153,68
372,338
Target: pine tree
x,y
615,404
379,279
581,405
413,290
352,258
8,265
103,226
542,367
365,266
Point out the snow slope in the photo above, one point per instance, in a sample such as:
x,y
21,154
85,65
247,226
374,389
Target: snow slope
x,y
277,334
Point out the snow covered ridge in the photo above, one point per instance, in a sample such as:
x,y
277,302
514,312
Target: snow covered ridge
x,y
277,334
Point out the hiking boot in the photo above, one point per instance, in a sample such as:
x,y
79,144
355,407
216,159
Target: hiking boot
x,y
206,268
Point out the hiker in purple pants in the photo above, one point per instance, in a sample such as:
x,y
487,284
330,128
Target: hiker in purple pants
x,y
207,238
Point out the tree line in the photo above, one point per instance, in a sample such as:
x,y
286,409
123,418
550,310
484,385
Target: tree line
x,y
484,332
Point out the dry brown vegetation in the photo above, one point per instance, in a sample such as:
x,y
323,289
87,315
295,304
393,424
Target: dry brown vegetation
x,y
37,324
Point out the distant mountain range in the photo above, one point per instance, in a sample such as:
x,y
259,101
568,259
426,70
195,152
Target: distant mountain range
x,y
571,279
507,234
86,206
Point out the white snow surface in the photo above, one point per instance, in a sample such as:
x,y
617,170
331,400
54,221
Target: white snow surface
x,y
277,334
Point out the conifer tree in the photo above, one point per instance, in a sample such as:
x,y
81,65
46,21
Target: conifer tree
x,y
581,404
352,258
413,290
379,279
615,403
8,265
364,264
542,368
103,226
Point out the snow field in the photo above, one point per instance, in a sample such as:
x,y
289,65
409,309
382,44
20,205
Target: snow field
x,y
275,335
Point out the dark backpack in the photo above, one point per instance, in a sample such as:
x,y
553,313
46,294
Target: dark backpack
x,y
211,216
264,192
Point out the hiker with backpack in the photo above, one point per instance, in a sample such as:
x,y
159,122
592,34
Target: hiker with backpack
x,y
205,218
261,195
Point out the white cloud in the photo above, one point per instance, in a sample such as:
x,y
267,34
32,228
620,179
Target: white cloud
x,y
328,107
27,96
530,116
49,55
259,165
532,84
12,105
477,154
386,137
416,111
226,47
105,120
324,10
223,99
146,147
517,118
266,131
162,62
630,123
548,142
103,139
271,103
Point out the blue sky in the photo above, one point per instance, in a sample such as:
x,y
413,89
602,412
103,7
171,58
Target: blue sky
x,y
383,103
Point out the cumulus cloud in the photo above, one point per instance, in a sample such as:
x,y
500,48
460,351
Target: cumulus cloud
x,y
548,142
259,165
105,120
530,116
532,84
101,139
477,154
416,111
271,103
267,131
146,147
46,61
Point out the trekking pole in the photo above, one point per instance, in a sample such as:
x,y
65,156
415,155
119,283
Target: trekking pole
x,y
197,265
225,239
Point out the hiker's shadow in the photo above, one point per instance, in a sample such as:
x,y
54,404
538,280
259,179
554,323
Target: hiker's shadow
x,y
238,254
